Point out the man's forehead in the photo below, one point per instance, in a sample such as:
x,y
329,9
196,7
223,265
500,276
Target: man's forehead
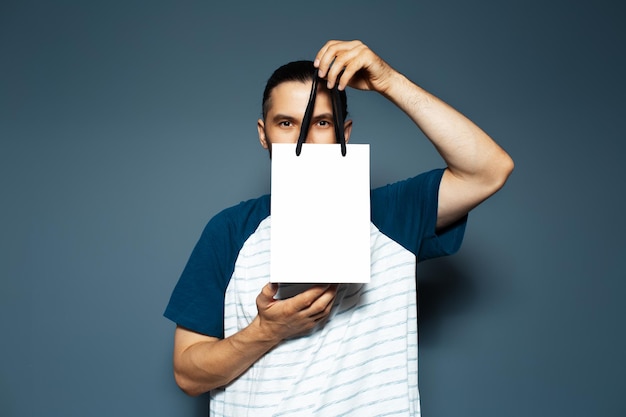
x,y
293,96
292,89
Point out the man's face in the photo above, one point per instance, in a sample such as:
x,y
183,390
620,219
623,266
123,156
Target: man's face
x,y
287,105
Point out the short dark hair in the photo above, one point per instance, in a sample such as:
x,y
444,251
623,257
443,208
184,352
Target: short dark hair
x,y
301,71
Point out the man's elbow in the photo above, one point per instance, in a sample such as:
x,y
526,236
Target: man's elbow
x,y
501,169
188,385
496,173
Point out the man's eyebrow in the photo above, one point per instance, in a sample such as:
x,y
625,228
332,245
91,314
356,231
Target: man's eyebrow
x,y
279,116
323,116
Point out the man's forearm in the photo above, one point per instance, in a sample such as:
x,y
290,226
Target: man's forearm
x,y
202,363
209,364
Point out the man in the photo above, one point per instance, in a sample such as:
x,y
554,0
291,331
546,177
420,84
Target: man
x,y
333,349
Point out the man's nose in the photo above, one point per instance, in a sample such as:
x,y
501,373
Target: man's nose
x,y
311,137
314,136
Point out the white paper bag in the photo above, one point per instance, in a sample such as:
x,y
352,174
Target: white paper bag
x,y
320,214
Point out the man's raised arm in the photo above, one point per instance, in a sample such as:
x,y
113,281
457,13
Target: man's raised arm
x,y
476,166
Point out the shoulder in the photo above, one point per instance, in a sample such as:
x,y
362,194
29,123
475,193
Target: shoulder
x,y
406,211
245,208
197,302
423,187
225,234
240,217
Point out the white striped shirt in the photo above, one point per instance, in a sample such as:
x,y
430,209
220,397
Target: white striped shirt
x,y
362,361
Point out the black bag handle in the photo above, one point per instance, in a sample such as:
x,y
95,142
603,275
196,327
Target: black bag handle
x,y
337,117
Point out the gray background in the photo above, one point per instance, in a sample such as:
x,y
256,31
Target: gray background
x,y
126,125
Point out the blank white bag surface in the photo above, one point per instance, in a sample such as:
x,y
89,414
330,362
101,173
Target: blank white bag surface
x,y
320,214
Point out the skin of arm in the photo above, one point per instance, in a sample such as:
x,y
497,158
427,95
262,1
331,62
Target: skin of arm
x,y
476,166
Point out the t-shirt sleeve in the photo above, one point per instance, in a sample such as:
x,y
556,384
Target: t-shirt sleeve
x,y
407,212
197,302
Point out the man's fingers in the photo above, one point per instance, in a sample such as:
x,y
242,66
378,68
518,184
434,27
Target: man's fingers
x,y
322,304
325,308
339,62
313,300
346,56
270,289
349,71
323,59
329,59
267,293
306,298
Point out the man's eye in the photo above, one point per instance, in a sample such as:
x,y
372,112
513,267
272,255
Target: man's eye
x,y
323,123
285,123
